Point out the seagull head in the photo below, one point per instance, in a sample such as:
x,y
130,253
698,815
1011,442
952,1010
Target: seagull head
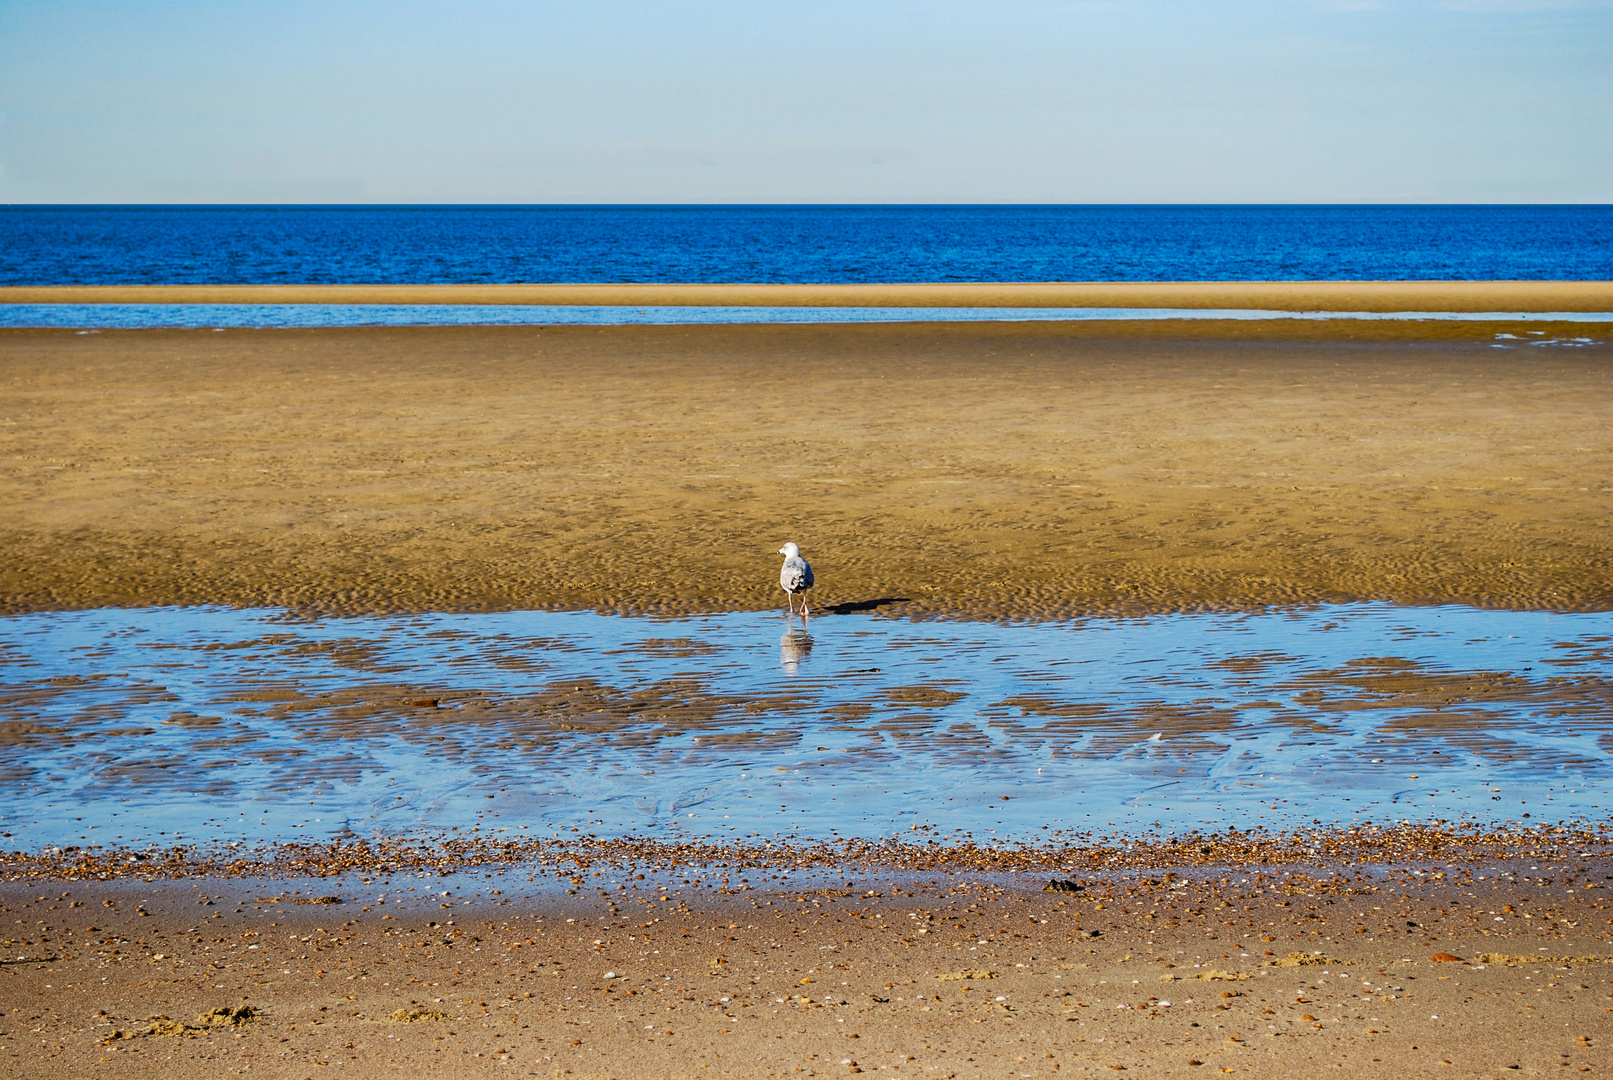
x,y
790,551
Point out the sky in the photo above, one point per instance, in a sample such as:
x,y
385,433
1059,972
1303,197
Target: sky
x,y
827,102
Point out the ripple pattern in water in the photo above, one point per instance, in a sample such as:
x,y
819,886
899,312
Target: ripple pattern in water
x,y
445,243
214,725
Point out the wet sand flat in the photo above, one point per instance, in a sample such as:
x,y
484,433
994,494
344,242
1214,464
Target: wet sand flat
x,y
1271,295
1024,470
1473,972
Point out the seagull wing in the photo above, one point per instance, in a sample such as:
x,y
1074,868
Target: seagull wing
x,y
795,574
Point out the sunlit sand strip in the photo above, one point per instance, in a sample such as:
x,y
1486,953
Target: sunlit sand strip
x,y
1532,296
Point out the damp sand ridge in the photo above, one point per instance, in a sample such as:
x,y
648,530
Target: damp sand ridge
x,y
980,471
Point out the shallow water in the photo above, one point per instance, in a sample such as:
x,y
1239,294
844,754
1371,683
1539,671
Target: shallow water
x,y
209,725
201,316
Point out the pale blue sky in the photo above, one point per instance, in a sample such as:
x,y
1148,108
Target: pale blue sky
x,y
870,101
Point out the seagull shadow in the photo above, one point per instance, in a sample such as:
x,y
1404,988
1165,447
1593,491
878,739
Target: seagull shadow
x,y
854,606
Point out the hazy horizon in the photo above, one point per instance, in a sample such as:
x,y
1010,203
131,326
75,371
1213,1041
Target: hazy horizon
x,y
742,104
762,205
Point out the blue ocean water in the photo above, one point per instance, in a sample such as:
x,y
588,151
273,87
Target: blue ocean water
x,y
88,245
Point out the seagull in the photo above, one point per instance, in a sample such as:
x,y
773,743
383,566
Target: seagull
x,y
795,574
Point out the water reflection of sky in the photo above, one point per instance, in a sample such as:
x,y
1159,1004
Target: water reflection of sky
x,y
216,725
202,316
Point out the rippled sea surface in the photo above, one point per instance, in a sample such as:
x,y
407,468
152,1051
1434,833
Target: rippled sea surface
x,y
86,245
208,726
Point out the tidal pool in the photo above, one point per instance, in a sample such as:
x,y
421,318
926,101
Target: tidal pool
x,y
213,726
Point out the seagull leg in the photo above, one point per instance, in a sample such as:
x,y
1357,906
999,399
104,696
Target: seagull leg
x,y
790,597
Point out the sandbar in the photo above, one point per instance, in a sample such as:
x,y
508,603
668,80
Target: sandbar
x,y
978,470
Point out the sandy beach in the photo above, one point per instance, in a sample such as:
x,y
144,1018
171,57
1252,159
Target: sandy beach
x,y
1000,471
655,970
982,470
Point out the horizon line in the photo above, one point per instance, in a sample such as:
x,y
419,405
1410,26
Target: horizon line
x,y
1356,204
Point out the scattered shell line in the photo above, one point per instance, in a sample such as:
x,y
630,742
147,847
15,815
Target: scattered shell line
x,y
1364,845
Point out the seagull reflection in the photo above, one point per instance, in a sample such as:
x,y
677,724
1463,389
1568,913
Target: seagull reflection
x,y
794,647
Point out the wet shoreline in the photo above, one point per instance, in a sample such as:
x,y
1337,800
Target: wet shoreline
x,y
656,967
1411,295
